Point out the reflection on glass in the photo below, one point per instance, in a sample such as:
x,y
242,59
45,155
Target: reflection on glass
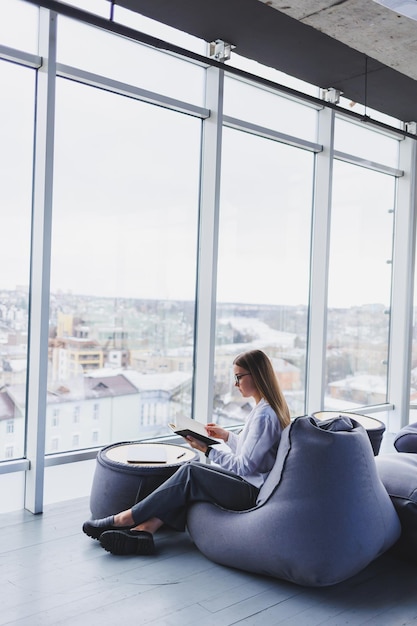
x,y
123,268
263,267
16,151
359,287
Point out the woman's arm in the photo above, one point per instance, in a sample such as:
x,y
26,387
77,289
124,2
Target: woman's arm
x,y
256,447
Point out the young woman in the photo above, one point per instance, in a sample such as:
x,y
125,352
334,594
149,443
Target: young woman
x,y
233,483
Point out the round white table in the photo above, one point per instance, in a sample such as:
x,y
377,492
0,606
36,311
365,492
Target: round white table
x,y
119,483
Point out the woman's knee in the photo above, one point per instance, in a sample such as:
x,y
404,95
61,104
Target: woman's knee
x,y
189,471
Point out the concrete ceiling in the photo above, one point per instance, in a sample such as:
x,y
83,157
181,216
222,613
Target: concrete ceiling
x,y
357,46
364,25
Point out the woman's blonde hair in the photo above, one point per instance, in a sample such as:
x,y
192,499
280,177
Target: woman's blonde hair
x,y
258,364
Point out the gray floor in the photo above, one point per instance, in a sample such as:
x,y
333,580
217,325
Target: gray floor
x,y
51,573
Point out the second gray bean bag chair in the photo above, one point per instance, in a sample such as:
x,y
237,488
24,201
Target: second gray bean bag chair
x,y
322,515
406,439
398,473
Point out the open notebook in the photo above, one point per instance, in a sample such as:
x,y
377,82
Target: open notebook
x,y
187,427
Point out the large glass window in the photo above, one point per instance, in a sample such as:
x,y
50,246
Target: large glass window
x,y
263,264
359,287
123,269
16,153
125,229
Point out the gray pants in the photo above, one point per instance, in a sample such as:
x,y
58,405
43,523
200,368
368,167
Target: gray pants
x,y
195,482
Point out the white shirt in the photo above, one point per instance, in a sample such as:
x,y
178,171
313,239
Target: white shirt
x,y
254,450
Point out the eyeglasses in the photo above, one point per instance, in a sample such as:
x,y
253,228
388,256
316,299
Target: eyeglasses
x,y
238,377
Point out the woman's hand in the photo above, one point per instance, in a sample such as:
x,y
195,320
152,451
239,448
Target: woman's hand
x,y
217,432
195,443
213,431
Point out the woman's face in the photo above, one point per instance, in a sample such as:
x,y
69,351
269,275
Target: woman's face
x,y
245,384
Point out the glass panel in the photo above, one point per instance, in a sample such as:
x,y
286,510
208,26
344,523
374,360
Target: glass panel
x,y
413,389
365,143
263,267
19,25
360,109
123,60
262,107
280,78
77,478
160,31
359,287
12,487
16,155
99,7
123,268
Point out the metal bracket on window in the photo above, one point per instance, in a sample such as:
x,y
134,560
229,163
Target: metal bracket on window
x,y
220,50
410,127
331,95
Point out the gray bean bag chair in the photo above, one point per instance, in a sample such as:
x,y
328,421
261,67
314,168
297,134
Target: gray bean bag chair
x,y
322,515
398,473
406,439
